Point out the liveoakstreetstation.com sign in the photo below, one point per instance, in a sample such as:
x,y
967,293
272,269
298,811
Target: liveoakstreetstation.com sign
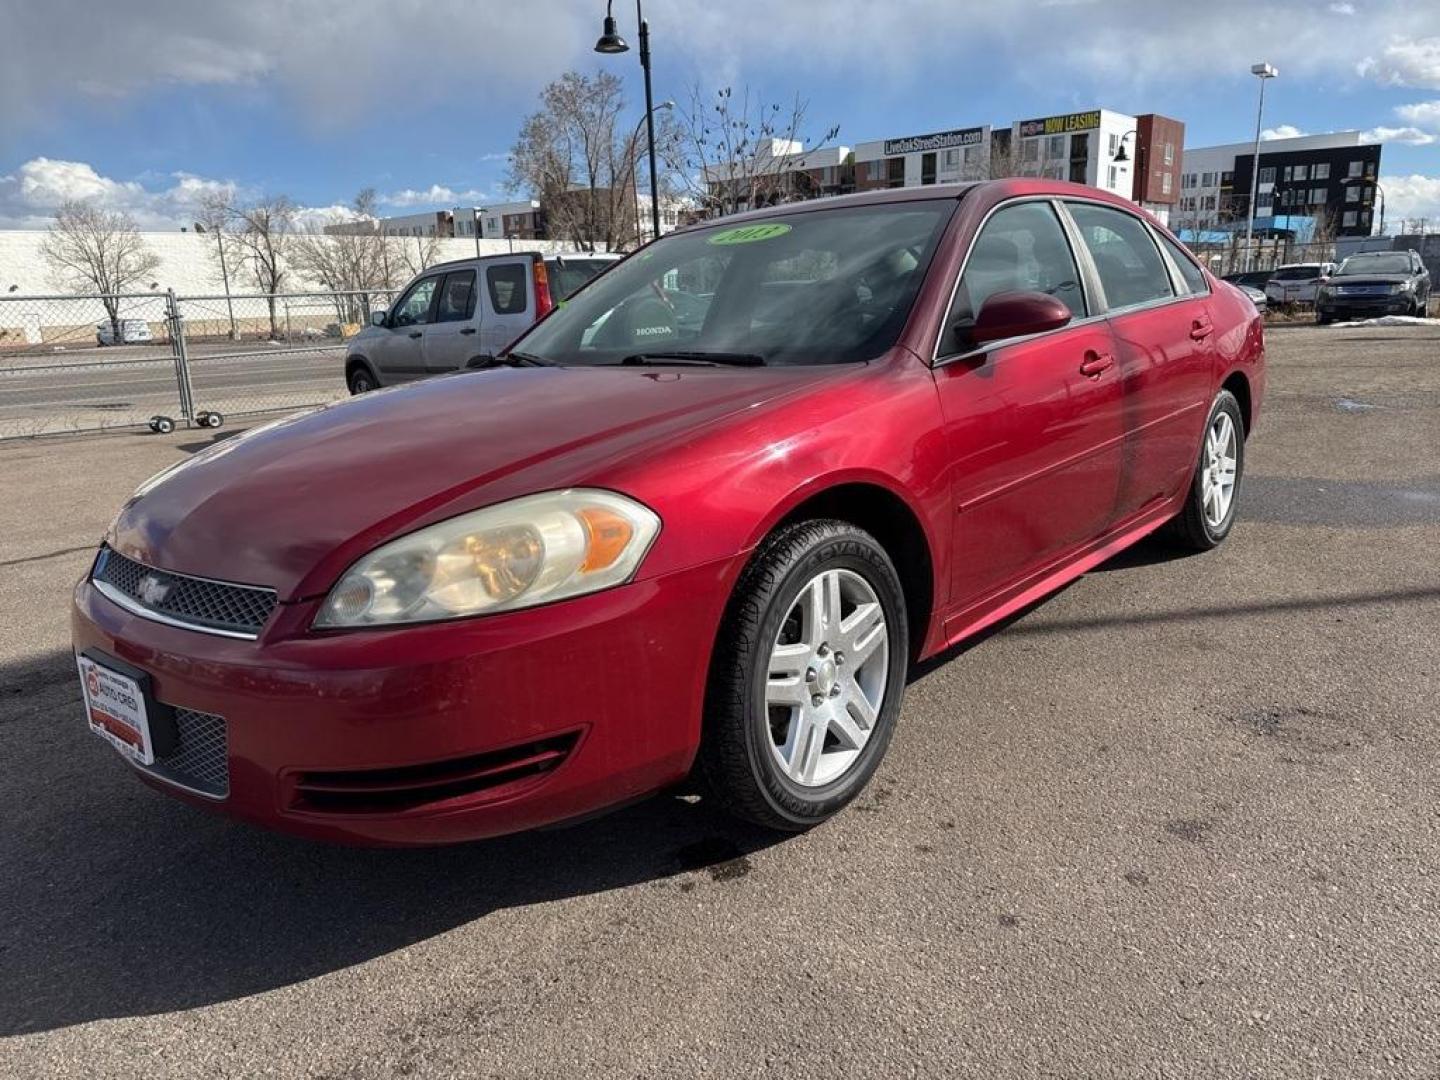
x,y
1060,125
941,140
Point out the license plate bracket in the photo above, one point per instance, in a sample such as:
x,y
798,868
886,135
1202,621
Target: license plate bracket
x,y
141,729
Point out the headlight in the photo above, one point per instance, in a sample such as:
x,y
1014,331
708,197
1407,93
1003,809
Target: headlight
x,y
1404,286
520,553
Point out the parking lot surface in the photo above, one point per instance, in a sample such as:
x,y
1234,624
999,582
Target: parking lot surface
x,y
1178,820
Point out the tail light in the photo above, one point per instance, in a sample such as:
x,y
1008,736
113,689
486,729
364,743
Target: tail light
x,y
544,302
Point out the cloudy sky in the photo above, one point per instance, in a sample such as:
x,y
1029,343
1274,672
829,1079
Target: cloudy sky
x,y
143,104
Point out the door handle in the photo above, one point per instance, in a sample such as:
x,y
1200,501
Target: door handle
x,y
1095,362
468,330
415,333
1200,330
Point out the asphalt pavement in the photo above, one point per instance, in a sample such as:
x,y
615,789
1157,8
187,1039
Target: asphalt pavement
x,y
1178,820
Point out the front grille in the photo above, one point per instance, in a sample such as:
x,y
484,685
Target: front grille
x,y
216,606
201,759
497,774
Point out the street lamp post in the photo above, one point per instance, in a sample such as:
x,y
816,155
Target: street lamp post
x,y
477,211
634,182
610,43
1263,72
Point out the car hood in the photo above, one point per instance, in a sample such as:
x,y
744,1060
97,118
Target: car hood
x,y
290,505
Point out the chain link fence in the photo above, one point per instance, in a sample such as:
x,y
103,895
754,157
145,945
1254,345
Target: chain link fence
x,y
71,364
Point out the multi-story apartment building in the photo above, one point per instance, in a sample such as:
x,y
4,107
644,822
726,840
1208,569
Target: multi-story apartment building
x,y
941,157
1329,179
515,221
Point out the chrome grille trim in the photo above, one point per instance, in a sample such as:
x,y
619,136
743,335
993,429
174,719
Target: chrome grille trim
x,y
190,602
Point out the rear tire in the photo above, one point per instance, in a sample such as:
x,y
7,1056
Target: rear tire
x,y
807,677
1210,507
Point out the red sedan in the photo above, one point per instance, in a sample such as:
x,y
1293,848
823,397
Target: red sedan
x,y
702,519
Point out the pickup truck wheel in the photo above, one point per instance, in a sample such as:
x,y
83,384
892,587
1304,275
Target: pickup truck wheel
x,y
1214,495
807,677
361,380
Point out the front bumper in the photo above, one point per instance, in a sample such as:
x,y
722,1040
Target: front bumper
x,y
443,732
1391,304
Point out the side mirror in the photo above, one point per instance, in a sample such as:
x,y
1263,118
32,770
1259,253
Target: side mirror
x,y
378,316
1017,313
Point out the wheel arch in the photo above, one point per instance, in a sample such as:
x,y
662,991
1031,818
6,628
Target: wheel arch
x,y
889,517
1237,383
357,360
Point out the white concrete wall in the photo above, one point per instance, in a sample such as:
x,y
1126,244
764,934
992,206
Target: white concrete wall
x,y
187,265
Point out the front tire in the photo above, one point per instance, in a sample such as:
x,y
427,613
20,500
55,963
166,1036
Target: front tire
x,y
807,676
1209,512
360,380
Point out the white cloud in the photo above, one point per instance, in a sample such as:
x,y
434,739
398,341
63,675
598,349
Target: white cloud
x,y
437,195
1343,9
31,194
1405,62
1411,197
1282,131
1424,114
1411,136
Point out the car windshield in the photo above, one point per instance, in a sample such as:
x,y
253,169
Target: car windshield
x,y
1375,264
569,273
814,287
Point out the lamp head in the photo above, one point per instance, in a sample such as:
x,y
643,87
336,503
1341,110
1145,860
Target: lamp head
x,y
610,41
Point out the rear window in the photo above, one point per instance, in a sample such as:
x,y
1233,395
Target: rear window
x,y
569,274
1296,273
507,288
812,287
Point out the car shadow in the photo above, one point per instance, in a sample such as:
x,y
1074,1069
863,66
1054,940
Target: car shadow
x,y
121,902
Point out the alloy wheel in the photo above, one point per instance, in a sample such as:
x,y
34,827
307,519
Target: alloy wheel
x,y
1217,477
827,677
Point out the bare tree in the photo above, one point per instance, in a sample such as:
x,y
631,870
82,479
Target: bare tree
x,y
94,250
212,216
571,157
731,154
349,260
261,234
410,255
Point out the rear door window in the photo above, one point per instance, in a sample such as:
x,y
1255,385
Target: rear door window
x,y
506,285
1191,274
1130,268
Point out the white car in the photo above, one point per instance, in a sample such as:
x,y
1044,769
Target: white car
x,y
1297,283
132,332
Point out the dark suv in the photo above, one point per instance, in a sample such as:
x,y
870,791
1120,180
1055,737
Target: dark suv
x,y
1375,283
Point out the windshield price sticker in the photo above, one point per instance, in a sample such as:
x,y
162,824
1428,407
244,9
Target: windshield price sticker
x,y
749,234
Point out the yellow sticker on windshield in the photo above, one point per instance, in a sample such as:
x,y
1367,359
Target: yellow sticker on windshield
x,y
748,234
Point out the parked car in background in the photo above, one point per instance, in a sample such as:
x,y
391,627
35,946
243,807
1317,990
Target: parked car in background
x,y
649,546
1375,283
1255,279
132,332
1296,283
1257,297
462,314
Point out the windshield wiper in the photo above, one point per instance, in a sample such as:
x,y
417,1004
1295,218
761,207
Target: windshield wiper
x,y
521,359
708,359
